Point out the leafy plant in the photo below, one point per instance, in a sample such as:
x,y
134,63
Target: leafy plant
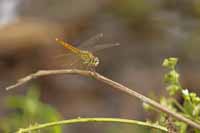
x,y
190,104
27,111
30,110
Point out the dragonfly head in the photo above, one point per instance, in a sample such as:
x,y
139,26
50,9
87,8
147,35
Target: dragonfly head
x,y
96,61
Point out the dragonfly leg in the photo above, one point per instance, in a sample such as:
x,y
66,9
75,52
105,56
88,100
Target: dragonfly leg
x,y
91,68
74,62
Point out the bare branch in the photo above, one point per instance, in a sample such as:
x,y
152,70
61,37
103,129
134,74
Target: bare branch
x,y
112,84
42,73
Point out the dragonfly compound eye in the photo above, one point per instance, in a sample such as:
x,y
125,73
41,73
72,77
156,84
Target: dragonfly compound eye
x,y
96,61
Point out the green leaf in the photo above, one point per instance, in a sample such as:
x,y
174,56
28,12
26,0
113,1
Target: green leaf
x,y
29,110
170,62
196,111
173,89
172,77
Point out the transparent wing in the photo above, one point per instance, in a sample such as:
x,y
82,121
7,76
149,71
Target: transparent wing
x,y
102,47
68,60
91,41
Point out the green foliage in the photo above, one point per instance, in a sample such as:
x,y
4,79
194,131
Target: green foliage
x,y
189,107
172,77
28,111
191,104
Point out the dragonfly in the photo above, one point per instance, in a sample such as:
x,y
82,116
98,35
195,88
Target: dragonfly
x,y
85,50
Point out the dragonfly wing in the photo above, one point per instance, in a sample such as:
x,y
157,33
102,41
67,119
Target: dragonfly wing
x,y
65,59
91,41
76,63
102,47
62,55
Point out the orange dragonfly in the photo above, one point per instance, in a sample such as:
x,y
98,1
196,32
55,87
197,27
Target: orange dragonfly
x,y
87,56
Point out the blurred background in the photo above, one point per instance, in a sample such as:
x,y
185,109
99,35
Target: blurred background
x,y
148,31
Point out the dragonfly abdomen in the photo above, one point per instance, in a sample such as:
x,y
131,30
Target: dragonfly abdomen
x,y
68,46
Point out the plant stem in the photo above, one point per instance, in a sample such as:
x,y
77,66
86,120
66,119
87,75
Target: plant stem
x,y
87,120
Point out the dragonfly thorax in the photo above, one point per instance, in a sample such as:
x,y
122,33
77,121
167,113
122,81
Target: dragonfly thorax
x,y
89,59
